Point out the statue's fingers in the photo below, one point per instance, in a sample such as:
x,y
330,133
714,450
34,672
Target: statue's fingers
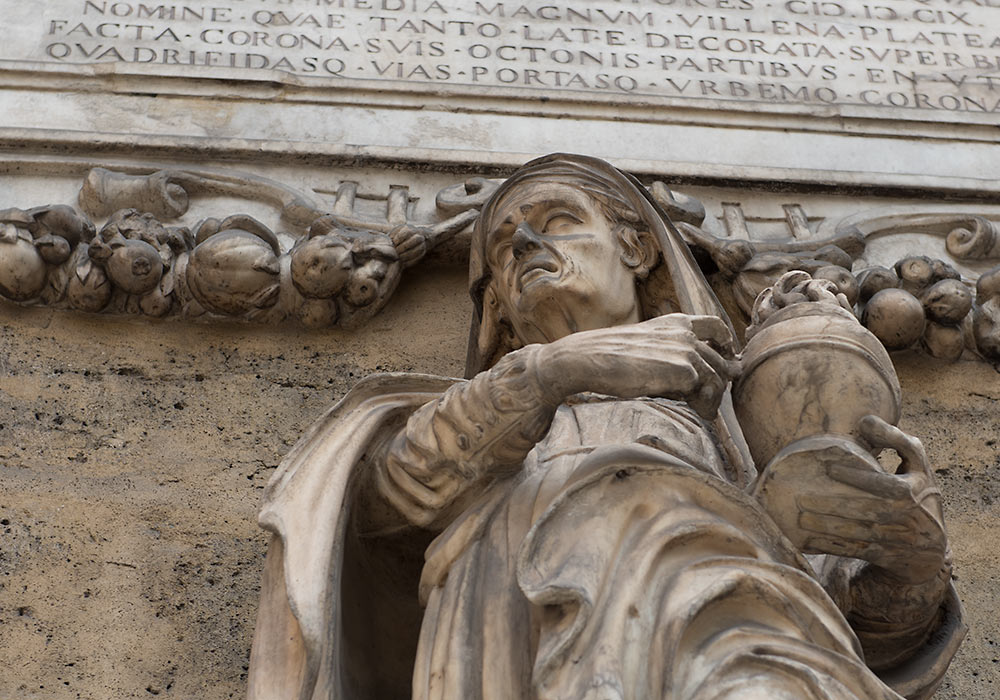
x,y
666,367
908,564
409,243
707,399
707,395
862,530
874,483
841,546
881,512
911,527
726,369
399,234
881,434
714,330
414,251
875,551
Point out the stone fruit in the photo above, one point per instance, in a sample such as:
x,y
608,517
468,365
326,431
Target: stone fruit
x,y
896,317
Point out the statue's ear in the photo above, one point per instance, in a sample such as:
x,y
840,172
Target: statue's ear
x,y
489,324
639,250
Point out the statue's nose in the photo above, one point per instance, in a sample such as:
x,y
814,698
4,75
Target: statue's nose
x,y
525,239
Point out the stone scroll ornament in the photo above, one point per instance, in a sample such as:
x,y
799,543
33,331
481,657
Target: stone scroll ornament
x,y
342,271
616,502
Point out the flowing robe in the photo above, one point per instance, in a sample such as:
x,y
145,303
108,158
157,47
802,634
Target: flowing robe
x,y
595,549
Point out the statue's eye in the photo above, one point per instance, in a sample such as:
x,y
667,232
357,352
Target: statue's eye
x,y
499,247
559,220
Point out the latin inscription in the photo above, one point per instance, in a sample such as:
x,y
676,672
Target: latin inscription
x,y
932,55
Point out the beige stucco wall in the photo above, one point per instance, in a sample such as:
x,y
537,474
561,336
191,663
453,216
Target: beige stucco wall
x,y
132,459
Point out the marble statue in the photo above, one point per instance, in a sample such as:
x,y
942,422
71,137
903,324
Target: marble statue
x,y
594,513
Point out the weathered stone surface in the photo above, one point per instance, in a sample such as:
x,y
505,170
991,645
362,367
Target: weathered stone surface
x,y
745,52
132,458
826,89
133,452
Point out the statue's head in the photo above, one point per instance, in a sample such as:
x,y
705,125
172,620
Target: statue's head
x,y
569,243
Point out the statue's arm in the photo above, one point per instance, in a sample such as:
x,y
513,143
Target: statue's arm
x,y
893,592
453,446
888,565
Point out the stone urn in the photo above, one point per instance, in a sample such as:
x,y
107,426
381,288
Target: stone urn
x,y
812,369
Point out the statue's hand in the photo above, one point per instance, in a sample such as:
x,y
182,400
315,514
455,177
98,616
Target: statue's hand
x,y
834,500
410,243
677,356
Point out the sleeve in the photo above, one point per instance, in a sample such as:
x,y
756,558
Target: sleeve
x,y
450,448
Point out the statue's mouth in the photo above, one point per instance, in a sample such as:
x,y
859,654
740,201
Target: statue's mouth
x,y
533,269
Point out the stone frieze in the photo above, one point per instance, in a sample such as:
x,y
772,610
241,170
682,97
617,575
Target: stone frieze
x,y
332,265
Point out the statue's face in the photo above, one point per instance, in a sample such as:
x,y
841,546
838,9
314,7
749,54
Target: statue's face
x,y
556,264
